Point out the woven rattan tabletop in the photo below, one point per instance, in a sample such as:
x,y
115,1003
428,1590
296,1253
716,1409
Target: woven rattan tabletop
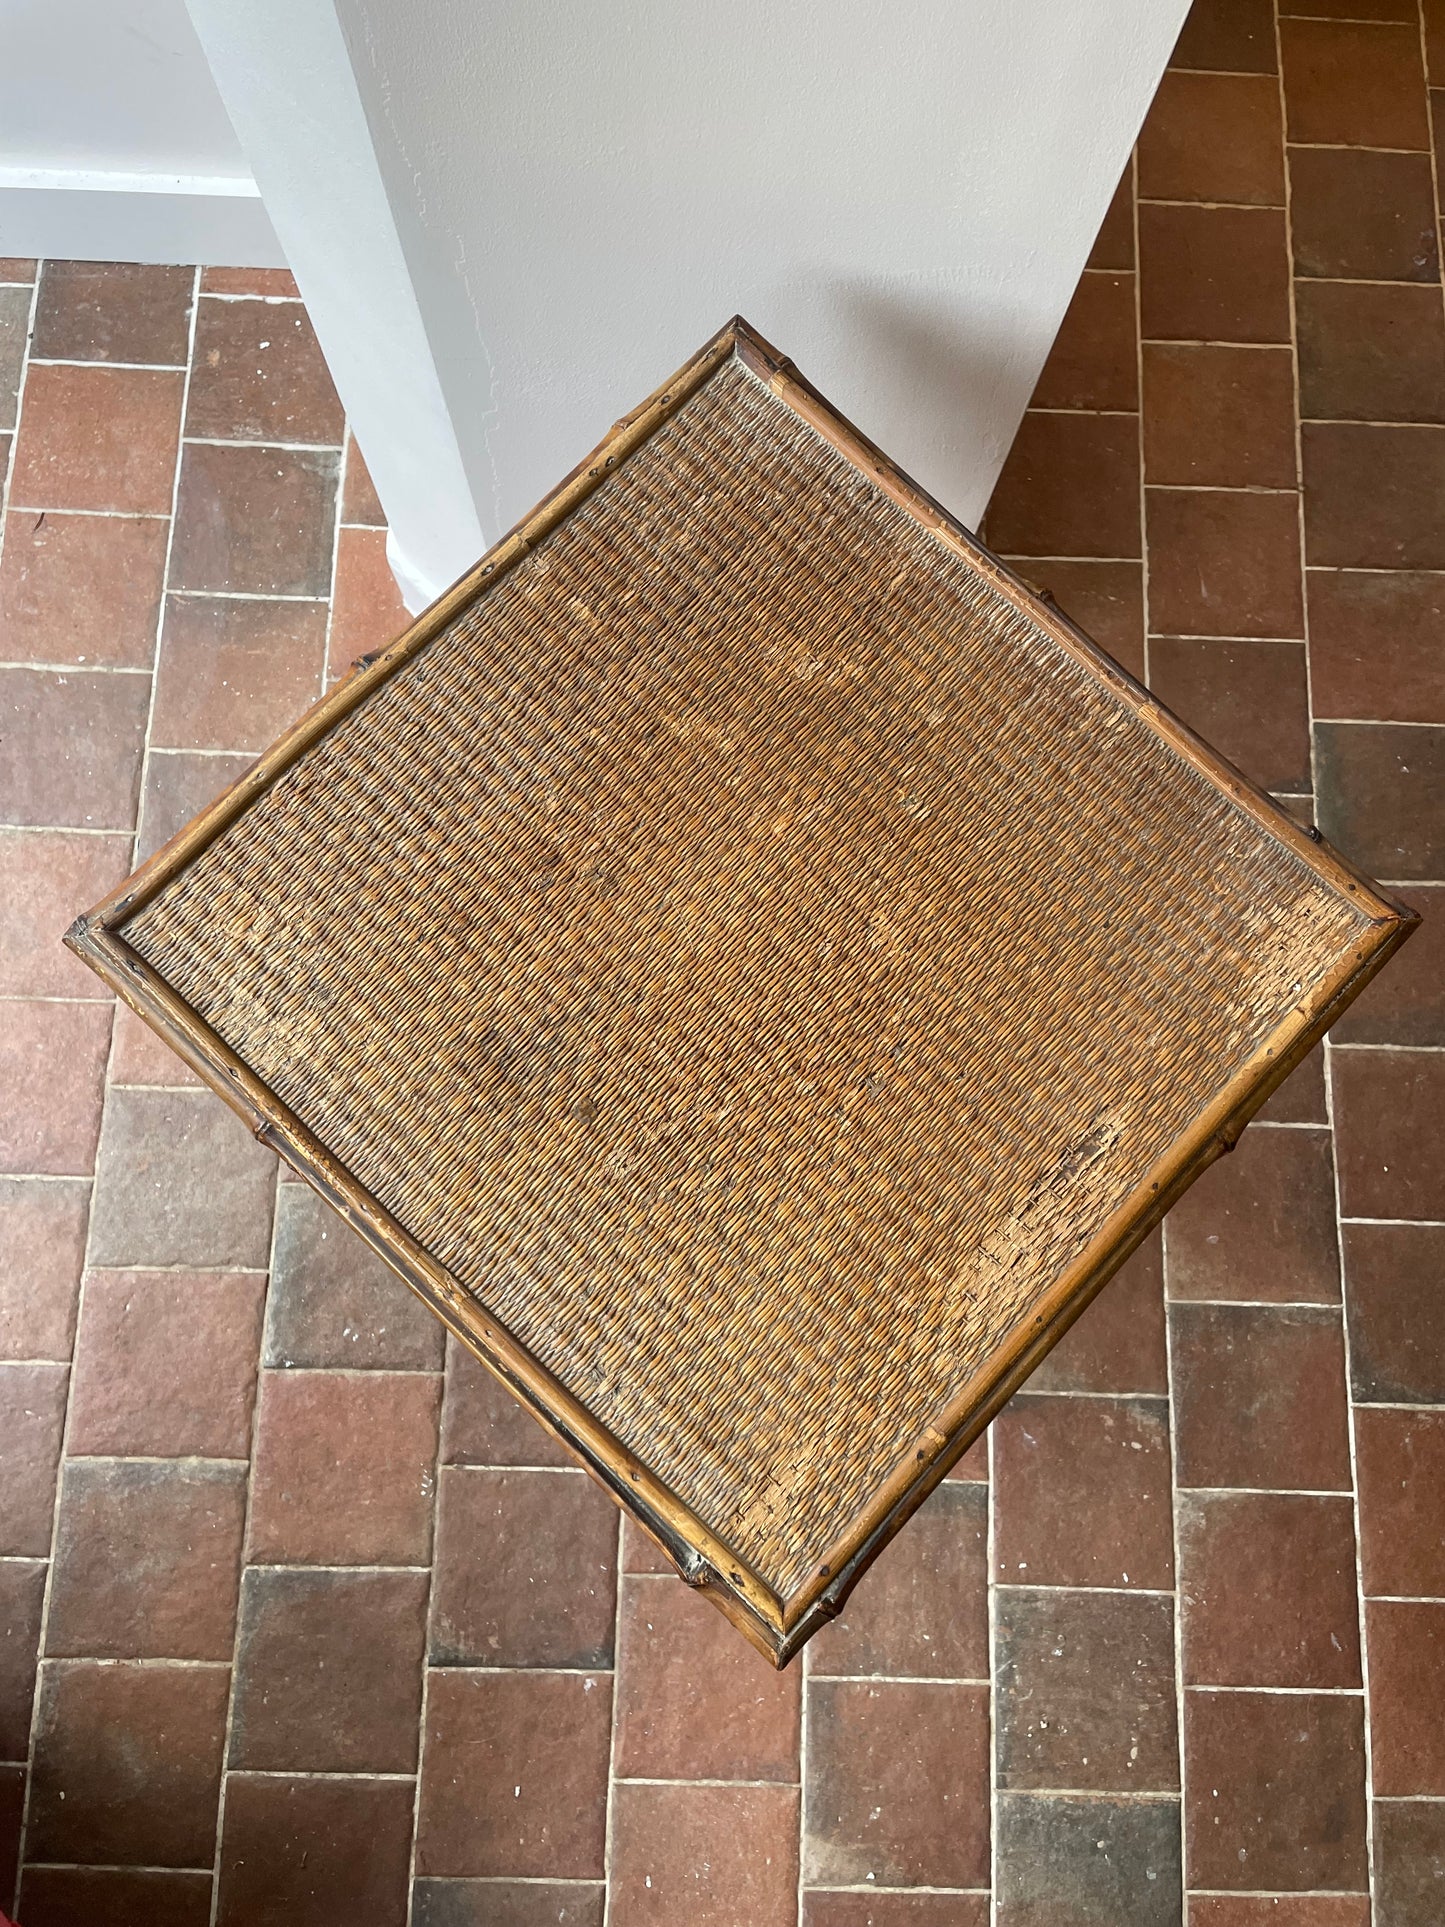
x,y
752,967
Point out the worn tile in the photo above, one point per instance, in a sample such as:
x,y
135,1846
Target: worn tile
x,y
514,1775
1227,36
127,1764
112,311
344,1468
1374,495
545,1593
1114,243
14,268
334,1302
1218,416
1213,137
1389,1132
147,1560
139,1056
12,1810
1213,274
1267,1583
712,1856
1259,1397
897,1784
1370,352
178,786
1094,362
1224,563
922,1611
46,876
1406,1643
14,322
22,1594
1083,1492
1363,216
32,1415
1086,1693
1409,1862
1348,83
1275,1791
166,1364
1118,1343
483,1424
367,609
1260,1224
1375,650
118,1896
1301,1097
329,1671
1105,600
1248,700
1279,1910
1400,1464
233,674
81,589
42,1246
314,1853
1070,486
74,742
1068,1862
259,376
1395,1294
360,505
255,521
52,1066
1382,796
275,283
694,1701
898,1909
179,1181
508,1903
97,438
641,1553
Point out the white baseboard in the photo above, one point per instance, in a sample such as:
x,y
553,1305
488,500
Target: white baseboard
x,y
90,216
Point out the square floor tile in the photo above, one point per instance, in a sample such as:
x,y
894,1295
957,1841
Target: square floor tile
x,y
180,1181
97,438
708,1855
1259,1397
1260,1225
82,589
314,1853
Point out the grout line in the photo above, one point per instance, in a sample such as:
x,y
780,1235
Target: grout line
x,y
647,1779
56,1661
276,448
1124,1592
274,300
250,1485
75,668
991,1592
88,1866
1155,1795
103,515
1232,207
308,1773
240,595
1406,1599
7,478
1405,1050
912,1679
1431,1224
426,1666
1351,147
1177,1594
609,1809
325,677
1280,1692
1267,1491
1220,488
79,361
874,1887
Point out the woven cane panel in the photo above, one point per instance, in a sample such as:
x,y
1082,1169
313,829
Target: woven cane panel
x,y
752,956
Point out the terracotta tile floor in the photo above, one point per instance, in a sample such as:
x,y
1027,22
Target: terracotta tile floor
x,y
327,1631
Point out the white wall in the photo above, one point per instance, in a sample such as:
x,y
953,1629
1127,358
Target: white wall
x,y
900,197
114,143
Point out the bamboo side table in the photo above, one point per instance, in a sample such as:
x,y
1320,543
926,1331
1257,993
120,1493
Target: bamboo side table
x,y
753,968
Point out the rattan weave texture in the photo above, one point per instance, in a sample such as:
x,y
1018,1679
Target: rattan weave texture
x,y
754,955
